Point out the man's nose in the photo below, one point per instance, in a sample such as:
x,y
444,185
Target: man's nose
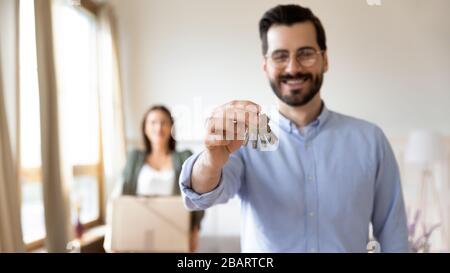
x,y
293,67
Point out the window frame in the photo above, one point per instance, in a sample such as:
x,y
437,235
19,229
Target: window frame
x,y
34,175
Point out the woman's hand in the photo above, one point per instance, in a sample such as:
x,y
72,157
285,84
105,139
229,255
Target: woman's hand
x,y
193,240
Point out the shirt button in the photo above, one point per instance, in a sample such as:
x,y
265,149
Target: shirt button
x,y
307,145
310,178
311,214
312,250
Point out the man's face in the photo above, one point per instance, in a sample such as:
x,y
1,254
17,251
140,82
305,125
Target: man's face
x,y
294,83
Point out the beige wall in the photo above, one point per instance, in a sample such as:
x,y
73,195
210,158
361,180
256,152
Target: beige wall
x,y
388,64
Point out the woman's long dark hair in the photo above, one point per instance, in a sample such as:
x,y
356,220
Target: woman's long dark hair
x,y
147,142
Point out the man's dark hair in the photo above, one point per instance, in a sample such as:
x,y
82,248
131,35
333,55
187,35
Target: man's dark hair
x,y
289,15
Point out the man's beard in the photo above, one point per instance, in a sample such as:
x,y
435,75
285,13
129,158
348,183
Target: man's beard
x,y
298,97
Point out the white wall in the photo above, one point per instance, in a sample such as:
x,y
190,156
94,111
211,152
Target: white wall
x,y
389,64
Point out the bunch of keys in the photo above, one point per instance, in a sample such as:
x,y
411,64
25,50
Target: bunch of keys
x,y
261,132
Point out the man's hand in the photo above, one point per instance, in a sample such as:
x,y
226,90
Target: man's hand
x,y
225,133
226,129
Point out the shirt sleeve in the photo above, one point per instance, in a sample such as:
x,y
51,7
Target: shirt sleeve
x,y
229,184
389,216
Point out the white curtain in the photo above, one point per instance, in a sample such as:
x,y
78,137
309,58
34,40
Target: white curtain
x,y
10,224
55,170
112,121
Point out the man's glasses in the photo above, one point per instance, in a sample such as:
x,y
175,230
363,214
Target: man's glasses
x,y
306,57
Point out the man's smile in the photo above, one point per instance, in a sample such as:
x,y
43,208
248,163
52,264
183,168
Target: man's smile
x,y
295,83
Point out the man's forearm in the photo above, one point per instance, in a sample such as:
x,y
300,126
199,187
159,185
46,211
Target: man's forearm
x,y
205,177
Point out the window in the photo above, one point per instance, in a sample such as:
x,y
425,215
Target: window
x,y
76,60
33,223
76,64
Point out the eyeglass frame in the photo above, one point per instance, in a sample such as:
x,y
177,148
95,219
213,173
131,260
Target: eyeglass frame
x,y
281,66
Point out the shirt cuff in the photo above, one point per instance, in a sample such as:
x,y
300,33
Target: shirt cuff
x,y
192,199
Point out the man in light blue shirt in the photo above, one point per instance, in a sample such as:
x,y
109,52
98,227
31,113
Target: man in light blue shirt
x,y
328,178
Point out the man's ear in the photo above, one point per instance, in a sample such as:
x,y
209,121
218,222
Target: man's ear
x,y
264,64
325,61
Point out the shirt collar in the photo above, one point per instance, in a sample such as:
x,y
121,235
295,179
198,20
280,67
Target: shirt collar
x,y
323,116
288,125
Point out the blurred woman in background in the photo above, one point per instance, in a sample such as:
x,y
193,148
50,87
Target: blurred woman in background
x,y
156,169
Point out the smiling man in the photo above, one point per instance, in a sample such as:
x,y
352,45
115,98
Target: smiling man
x,y
331,175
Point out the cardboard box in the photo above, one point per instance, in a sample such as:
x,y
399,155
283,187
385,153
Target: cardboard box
x,y
150,224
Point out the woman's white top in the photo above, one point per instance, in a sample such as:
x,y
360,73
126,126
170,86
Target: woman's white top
x,y
154,182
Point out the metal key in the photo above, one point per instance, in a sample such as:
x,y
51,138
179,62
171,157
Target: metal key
x,y
255,142
257,133
263,141
246,137
273,139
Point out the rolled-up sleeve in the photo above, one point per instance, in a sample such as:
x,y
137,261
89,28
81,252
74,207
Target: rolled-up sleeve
x,y
389,216
229,184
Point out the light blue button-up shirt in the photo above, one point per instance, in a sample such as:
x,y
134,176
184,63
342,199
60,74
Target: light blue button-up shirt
x,y
318,191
